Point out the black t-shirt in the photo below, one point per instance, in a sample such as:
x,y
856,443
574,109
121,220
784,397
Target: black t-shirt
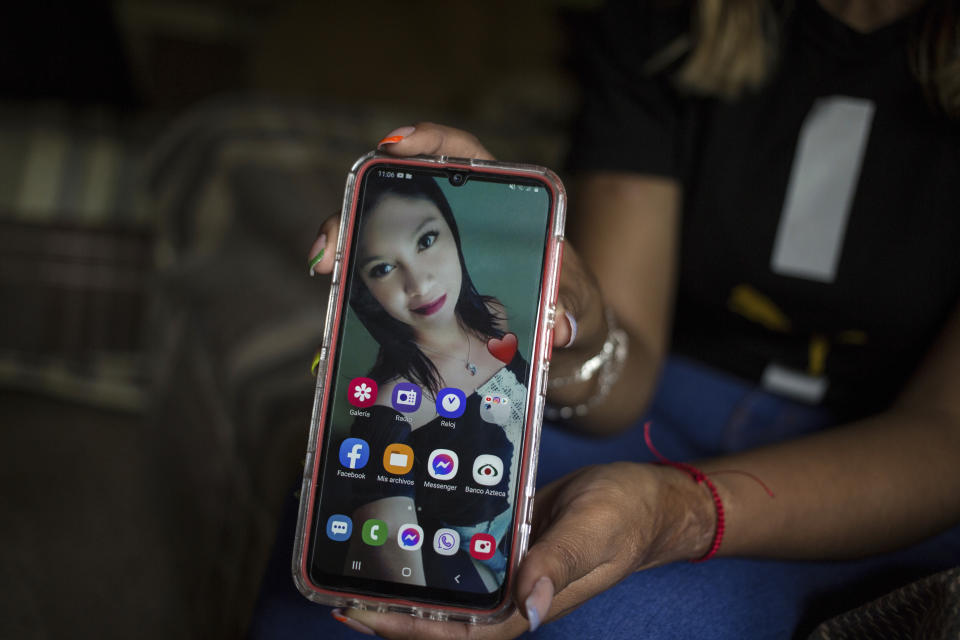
x,y
821,219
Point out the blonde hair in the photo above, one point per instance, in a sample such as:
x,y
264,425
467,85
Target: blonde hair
x,y
935,55
733,45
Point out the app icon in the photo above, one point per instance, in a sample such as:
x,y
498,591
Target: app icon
x,y
354,453
362,392
443,464
339,527
374,532
406,397
483,546
495,409
487,470
398,458
410,537
446,542
451,402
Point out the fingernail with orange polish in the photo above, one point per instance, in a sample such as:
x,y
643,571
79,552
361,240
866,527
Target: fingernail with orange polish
x,y
396,136
350,622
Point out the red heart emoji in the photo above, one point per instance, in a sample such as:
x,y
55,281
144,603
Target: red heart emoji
x,y
503,349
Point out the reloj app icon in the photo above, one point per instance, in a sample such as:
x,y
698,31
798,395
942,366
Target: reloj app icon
x,y
362,392
398,458
446,542
354,453
451,402
374,532
410,537
495,409
443,464
339,527
406,397
487,470
483,546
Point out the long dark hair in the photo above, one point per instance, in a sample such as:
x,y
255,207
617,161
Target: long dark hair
x,y
399,355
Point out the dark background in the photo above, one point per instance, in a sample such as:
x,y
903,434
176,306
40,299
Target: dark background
x,y
86,550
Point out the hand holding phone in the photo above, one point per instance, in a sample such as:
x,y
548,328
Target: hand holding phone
x,y
439,140
431,387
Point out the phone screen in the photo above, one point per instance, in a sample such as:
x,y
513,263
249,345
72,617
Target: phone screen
x,y
428,407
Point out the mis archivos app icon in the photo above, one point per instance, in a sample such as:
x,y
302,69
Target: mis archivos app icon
x,y
398,458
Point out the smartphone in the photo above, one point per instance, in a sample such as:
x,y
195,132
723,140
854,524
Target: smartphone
x,y
420,465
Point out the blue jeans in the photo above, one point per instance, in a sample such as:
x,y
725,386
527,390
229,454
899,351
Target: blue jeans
x,y
696,412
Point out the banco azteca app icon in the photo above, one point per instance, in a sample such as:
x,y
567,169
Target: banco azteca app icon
x,y
362,392
487,470
354,453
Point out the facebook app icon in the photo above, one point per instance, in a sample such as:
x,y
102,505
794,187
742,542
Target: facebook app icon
x,y
354,453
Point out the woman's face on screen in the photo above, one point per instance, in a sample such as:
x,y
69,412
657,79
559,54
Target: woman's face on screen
x,y
409,262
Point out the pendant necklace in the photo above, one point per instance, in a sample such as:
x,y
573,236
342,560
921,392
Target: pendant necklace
x,y
467,364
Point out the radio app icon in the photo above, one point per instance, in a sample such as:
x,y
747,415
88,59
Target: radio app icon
x,y
406,397
398,458
443,464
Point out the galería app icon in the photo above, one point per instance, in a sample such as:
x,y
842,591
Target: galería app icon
x,y
362,392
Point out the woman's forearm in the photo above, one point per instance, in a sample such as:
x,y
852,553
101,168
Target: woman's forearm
x,y
868,487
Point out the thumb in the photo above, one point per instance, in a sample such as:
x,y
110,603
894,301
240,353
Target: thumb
x,y
565,552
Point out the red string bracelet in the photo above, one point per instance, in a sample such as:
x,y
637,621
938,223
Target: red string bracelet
x,y
700,478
